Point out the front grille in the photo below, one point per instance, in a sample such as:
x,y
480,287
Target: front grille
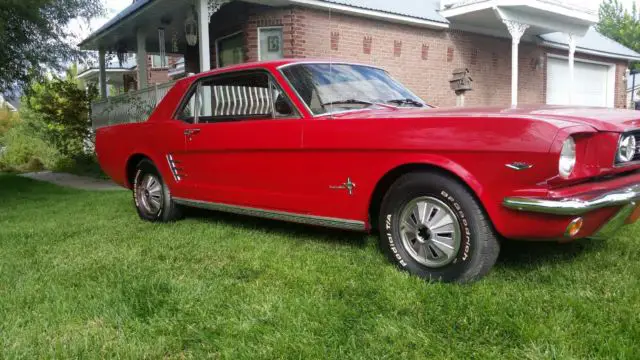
x,y
637,136
636,157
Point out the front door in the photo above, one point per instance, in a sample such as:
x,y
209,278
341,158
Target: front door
x,y
241,148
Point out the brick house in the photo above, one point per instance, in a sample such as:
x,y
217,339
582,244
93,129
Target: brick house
x,y
535,51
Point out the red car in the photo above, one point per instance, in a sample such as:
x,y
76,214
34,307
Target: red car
x,y
346,146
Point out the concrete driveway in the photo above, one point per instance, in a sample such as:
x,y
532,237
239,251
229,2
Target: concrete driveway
x,y
74,181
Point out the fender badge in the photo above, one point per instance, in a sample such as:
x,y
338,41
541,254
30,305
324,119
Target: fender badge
x,y
349,186
519,166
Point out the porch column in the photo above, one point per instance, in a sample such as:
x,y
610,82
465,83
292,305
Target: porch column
x,y
203,30
573,40
141,58
102,77
516,30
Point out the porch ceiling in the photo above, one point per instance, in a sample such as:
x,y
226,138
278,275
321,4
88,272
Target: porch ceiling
x,y
119,34
543,17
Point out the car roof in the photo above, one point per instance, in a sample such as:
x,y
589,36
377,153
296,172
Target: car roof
x,y
270,64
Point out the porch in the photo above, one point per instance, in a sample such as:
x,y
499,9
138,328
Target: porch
x,y
526,20
214,33
149,29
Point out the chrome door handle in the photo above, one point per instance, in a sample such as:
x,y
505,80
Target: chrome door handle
x,y
190,132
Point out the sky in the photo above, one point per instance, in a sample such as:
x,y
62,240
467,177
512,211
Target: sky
x,y
81,29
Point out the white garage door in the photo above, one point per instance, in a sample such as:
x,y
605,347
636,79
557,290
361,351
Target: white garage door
x,y
593,86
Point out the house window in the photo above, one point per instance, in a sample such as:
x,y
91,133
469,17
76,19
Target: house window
x,y
237,97
156,62
230,49
270,43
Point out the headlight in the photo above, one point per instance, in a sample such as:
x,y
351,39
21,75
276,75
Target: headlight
x,y
627,148
567,158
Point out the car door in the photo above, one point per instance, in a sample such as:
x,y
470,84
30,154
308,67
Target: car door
x,y
239,149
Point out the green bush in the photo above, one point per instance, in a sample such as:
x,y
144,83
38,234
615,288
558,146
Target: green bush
x,y
8,119
25,151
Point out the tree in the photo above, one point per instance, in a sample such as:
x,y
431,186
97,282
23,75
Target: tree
x,y
35,38
63,110
617,23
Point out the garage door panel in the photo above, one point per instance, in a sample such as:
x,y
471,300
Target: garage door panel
x,y
591,86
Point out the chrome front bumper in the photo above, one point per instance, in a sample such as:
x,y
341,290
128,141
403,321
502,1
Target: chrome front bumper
x,y
620,197
627,198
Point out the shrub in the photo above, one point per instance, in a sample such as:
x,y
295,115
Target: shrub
x,y
63,109
8,119
24,150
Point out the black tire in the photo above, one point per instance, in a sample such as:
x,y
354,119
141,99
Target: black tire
x,y
477,248
163,209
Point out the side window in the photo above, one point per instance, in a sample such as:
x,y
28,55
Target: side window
x,y
249,96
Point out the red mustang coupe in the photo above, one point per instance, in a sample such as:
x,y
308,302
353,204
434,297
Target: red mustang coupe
x,y
346,146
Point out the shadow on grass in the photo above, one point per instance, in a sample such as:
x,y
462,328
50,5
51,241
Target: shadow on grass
x,y
513,254
518,254
299,231
14,187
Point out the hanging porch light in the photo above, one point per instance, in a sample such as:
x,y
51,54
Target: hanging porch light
x,y
191,28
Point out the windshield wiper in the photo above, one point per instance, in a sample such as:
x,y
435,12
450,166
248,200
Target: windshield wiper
x,y
406,102
349,102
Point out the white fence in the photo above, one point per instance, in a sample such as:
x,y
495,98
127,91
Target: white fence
x,y
134,106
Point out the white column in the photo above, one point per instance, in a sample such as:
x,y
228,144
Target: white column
x,y
573,40
205,53
141,58
203,31
102,78
516,30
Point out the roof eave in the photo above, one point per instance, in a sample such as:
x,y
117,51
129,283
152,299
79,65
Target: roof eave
x,y
376,14
555,45
110,24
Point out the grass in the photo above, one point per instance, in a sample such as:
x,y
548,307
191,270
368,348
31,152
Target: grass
x,y
82,277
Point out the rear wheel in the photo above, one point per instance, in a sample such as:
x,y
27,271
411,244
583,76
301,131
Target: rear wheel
x,y
433,227
152,196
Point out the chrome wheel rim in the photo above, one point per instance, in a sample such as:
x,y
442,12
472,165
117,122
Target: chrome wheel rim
x,y
430,231
149,194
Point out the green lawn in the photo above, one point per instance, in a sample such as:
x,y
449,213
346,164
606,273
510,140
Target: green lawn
x,y
82,277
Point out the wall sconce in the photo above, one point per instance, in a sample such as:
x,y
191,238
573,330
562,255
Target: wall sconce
x,y
539,62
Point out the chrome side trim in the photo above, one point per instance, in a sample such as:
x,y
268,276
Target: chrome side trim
x,y
574,206
344,224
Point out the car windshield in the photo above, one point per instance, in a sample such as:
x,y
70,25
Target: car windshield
x,y
328,88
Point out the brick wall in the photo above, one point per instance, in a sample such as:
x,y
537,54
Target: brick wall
x,y
422,59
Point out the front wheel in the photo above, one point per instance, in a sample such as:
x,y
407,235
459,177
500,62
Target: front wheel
x,y
151,195
433,227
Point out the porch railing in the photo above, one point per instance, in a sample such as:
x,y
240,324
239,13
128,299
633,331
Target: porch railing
x,y
130,107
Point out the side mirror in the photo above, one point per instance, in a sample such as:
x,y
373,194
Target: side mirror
x,y
282,106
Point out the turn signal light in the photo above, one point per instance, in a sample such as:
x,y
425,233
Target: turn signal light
x,y
574,227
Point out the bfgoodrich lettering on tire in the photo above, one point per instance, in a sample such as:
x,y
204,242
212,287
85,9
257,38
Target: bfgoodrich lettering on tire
x,y
433,227
152,196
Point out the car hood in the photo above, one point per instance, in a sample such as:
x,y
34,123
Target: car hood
x,y
601,119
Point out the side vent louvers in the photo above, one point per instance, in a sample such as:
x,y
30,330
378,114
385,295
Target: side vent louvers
x,y
175,170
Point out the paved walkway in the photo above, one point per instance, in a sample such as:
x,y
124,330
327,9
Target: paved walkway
x,y
74,181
